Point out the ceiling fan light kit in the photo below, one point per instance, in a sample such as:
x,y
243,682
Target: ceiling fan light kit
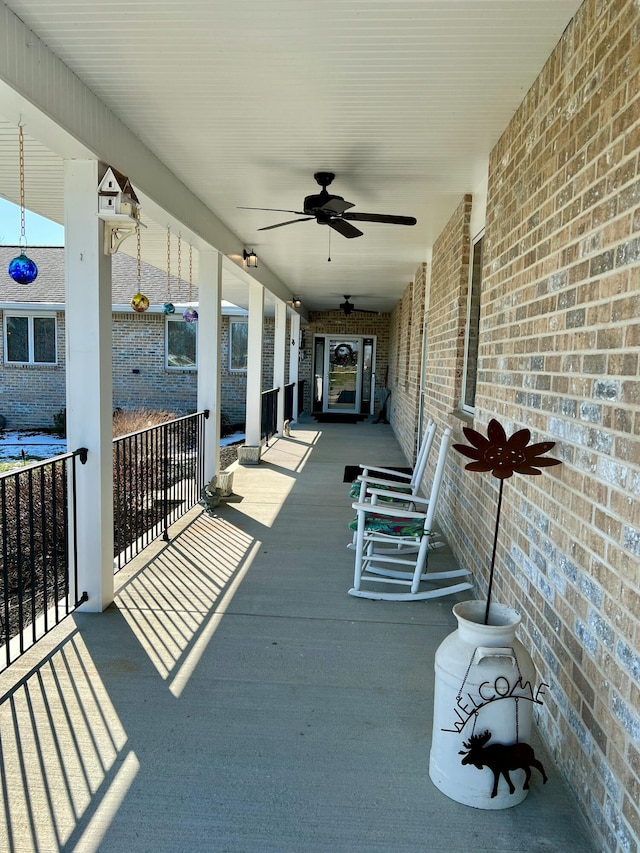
x,y
332,210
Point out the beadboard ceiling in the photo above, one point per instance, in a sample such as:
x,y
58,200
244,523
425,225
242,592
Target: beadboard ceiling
x,y
245,99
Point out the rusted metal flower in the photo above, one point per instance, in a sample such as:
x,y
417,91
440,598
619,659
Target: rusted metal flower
x,y
505,456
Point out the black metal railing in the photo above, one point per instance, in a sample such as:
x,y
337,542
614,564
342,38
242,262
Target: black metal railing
x,y
38,545
158,475
288,401
269,414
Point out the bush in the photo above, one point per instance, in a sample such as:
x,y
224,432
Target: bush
x,y
126,421
60,423
226,427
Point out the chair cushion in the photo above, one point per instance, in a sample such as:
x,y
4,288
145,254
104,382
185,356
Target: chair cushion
x,y
354,492
376,523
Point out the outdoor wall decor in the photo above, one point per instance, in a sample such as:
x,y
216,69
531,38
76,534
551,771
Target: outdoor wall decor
x,y
190,315
22,269
485,678
139,302
503,457
169,307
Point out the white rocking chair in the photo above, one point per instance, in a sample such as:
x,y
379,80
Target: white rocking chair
x,y
388,537
393,480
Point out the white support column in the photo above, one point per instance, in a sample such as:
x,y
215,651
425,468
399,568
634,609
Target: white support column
x,y
88,340
209,335
279,349
294,360
254,364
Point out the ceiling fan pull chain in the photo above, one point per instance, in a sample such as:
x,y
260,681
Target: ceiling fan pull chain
x,y
329,258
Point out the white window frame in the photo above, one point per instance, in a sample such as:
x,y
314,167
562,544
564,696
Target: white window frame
x,y
466,407
177,318
30,315
236,322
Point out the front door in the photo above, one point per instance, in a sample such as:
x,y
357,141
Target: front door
x,y
342,375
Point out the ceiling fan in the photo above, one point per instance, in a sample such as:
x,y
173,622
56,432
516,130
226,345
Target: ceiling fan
x,y
333,210
348,307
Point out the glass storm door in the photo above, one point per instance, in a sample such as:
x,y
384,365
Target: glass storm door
x,y
342,375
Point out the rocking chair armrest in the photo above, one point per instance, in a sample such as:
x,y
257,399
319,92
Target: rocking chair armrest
x,y
385,509
399,496
389,484
399,474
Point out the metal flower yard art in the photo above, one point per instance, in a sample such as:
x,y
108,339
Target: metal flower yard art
x,y
503,457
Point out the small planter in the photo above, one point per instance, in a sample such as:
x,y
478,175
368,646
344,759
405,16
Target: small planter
x,y
248,454
485,683
224,483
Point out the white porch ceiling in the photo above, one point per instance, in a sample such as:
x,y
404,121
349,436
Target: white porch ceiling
x,y
244,101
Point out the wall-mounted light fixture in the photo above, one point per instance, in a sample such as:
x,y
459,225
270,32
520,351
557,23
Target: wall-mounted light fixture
x,y
250,259
296,302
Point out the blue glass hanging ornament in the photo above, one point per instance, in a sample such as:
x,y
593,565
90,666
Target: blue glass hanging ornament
x,y
139,302
22,269
169,308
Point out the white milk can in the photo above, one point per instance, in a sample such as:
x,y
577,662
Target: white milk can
x,y
485,690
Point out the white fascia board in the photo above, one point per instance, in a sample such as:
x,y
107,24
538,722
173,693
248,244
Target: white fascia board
x,y
39,91
32,306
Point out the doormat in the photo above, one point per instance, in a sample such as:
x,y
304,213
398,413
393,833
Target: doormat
x,y
337,418
352,471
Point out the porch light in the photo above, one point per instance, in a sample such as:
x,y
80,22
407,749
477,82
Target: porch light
x,y
250,259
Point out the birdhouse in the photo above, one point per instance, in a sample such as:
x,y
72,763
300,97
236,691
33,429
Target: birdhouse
x,y
118,205
116,195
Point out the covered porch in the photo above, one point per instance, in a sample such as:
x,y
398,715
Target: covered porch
x,y
235,698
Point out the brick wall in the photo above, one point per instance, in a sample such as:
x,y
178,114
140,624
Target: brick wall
x,y
407,321
139,344
31,395
559,354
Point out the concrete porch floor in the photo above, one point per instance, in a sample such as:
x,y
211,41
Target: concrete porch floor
x,y
235,698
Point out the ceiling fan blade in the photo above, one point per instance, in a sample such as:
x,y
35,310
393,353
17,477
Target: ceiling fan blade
x,y
381,217
289,222
365,311
336,205
344,228
274,209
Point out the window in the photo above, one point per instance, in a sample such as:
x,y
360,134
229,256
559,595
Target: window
x,y
472,332
238,338
30,339
181,340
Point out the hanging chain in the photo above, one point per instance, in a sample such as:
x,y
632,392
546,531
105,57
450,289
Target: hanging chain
x,y
138,254
466,675
169,262
179,259
23,239
190,271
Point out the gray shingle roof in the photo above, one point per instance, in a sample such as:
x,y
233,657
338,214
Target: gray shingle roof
x,y
49,285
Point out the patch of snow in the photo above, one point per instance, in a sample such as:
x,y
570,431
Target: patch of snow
x,y
42,445
234,438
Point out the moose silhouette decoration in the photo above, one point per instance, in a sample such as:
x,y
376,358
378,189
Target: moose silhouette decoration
x,y
501,759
